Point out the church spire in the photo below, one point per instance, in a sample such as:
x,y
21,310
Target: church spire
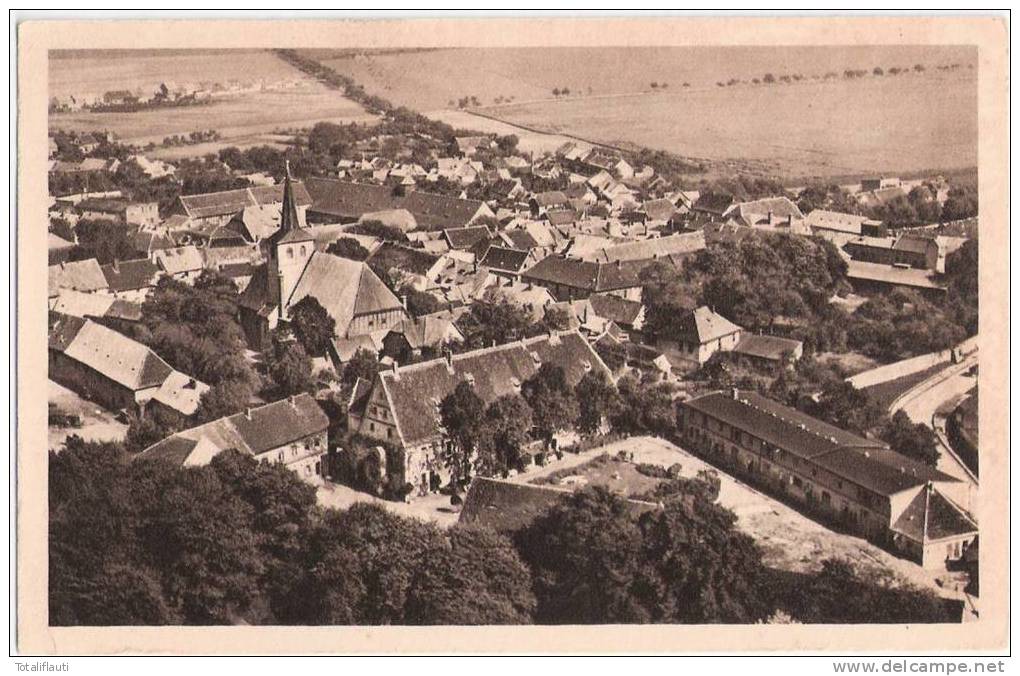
x,y
289,217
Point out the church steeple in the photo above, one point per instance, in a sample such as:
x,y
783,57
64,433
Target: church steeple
x,y
289,217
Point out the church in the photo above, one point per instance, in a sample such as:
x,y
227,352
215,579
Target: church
x,y
357,300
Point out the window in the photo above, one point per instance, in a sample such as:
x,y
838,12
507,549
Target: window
x,y
371,426
389,432
290,252
302,249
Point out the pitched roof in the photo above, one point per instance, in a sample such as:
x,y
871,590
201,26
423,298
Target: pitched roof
x,y
117,357
519,239
181,392
616,309
888,274
416,389
345,288
679,244
229,202
253,432
834,220
84,275
61,330
347,200
507,506
179,259
702,325
586,275
766,347
713,203
424,331
550,198
80,304
751,212
932,516
57,243
140,273
465,238
504,259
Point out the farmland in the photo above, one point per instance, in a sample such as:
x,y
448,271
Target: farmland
x,y
241,119
812,126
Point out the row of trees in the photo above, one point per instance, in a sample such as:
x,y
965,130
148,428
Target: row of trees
x,y
136,543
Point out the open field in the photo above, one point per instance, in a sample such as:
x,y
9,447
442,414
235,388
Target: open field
x,y
237,117
813,127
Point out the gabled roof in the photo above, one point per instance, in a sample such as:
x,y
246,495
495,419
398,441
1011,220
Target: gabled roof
x,y
509,506
519,239
416,389
179,259
181,393
766,347
465,238
342,199
659,210
86,305
821,219
131,275
425,331
713,203
504,259
702,325
345,288
586,275
84,275
254,432
658,247
229,202
754,211
619,310
117,357
61,330
551,198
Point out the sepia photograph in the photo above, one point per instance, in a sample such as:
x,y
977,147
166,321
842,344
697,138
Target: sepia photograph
x,y
461,331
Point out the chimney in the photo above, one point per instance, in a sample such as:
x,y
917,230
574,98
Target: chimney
x,y
772,218
448,354
619,263
734,393
395,369
403,301
116,265
247,412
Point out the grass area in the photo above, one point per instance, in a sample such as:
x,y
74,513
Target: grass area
x,y
885,393
609,471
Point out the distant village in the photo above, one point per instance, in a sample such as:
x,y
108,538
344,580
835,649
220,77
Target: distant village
x,y
166,94
416,273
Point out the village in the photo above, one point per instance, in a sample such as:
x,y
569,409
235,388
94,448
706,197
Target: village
x,y
459,331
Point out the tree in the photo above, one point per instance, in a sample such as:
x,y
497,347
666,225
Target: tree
x,y
224,398
462,415
586,558
914,440
508,421
494,321
348,247
556,319
848,408
597,401
289,367
312,326
477,578
364,364
507,144
419,302
645,407
106,242
145,430
552,400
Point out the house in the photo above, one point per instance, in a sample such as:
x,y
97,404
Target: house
x,y
401,219
101,308
107,367
771,213
505,262
413,337
147,242
711,207
675,247
131,280
543,202
772,352
291,432
469,145
866,278
86,275
351,293
467,237
572,279
119,211
530,298
873,199
183,263
659,211
923,253
152,168
415,267
822,222
346,202
871,490
879,182
702,332
627,314
402,408
219,207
